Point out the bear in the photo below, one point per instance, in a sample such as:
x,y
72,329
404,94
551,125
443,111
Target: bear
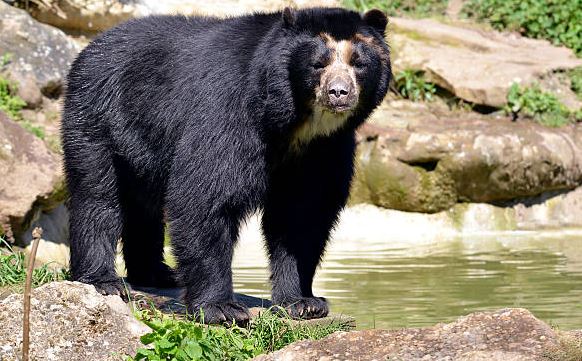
x,y
194,123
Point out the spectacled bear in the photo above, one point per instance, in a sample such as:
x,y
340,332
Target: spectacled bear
x,y
200,121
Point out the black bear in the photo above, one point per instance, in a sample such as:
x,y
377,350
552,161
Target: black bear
x,y
198,122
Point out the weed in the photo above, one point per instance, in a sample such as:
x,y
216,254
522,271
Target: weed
x,y
174,339
558,21
5,59
10,103
414,8
575,76
13,270
411,84
542,106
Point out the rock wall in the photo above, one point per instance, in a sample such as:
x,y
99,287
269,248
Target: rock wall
x,y
417,159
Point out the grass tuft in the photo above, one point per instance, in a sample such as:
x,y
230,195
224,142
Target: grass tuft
x,y
411,84
542,106
13,270
176,339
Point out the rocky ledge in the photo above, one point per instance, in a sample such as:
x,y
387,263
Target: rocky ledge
x,y
71,321
509,334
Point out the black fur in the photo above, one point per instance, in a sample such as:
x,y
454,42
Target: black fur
x,y
189,119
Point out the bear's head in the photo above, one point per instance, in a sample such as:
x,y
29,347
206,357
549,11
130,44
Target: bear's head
x,y
339,68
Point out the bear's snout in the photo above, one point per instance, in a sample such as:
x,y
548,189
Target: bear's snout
x,y
339,93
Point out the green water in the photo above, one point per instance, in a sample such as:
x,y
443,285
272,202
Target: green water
x,y
386,285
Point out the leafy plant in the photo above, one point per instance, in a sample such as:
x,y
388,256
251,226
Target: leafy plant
x,y
575,76
10,103
559,21
173,339
13,269
542,106
5,59
414,8
412,85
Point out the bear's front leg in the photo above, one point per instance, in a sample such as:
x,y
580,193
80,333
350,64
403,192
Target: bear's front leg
x,y
203,247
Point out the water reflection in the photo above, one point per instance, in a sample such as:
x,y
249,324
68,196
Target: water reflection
x,y
393,284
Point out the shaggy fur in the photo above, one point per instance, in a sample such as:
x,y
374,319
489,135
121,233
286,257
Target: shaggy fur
x,y
195,121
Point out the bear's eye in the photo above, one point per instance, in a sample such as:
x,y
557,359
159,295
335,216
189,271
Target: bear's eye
x,y
358,62
318,65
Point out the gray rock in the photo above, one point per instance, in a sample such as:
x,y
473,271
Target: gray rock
x,y
70,321
412,157
509,334
38,50
33,180
475,64
99,15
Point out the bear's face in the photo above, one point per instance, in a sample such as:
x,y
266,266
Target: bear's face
x,y
339,67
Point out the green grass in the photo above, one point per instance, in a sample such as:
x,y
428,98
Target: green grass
x,y
12,105
411,84
13,270
175,339
575,76
559,21
411,8
544,107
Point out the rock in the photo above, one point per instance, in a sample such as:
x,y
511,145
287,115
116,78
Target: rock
x,y
457,57
508,334
38,51
27,89
70,321
33,181
418,159
98,15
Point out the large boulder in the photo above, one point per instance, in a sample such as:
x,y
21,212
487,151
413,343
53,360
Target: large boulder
x,y
415,158
38,53
70,321
98,15
32,180
476,65
509,334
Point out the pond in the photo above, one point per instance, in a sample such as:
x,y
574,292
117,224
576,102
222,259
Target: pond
x,y
393,282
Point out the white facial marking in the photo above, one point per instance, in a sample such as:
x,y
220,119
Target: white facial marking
x,y
321,123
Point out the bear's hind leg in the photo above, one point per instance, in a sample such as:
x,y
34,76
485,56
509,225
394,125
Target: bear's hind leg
x,y
143,241
95,217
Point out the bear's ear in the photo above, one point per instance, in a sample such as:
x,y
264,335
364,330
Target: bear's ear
x,y
288,17
376,19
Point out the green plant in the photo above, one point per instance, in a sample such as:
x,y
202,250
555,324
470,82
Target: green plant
x,y
5,59
542,106
415,8
575,76
173,339
559,21
411,84
10,103
13,269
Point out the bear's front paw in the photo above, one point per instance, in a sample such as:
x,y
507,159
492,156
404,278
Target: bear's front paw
x,y
115,288
306,307
221,313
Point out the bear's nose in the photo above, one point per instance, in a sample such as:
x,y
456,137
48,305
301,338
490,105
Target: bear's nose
x,y
338,90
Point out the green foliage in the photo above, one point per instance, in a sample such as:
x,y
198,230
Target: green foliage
x,y
535,103
575,76
559,21
414,8
411,84
10,103
179,340
5,59
13,270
